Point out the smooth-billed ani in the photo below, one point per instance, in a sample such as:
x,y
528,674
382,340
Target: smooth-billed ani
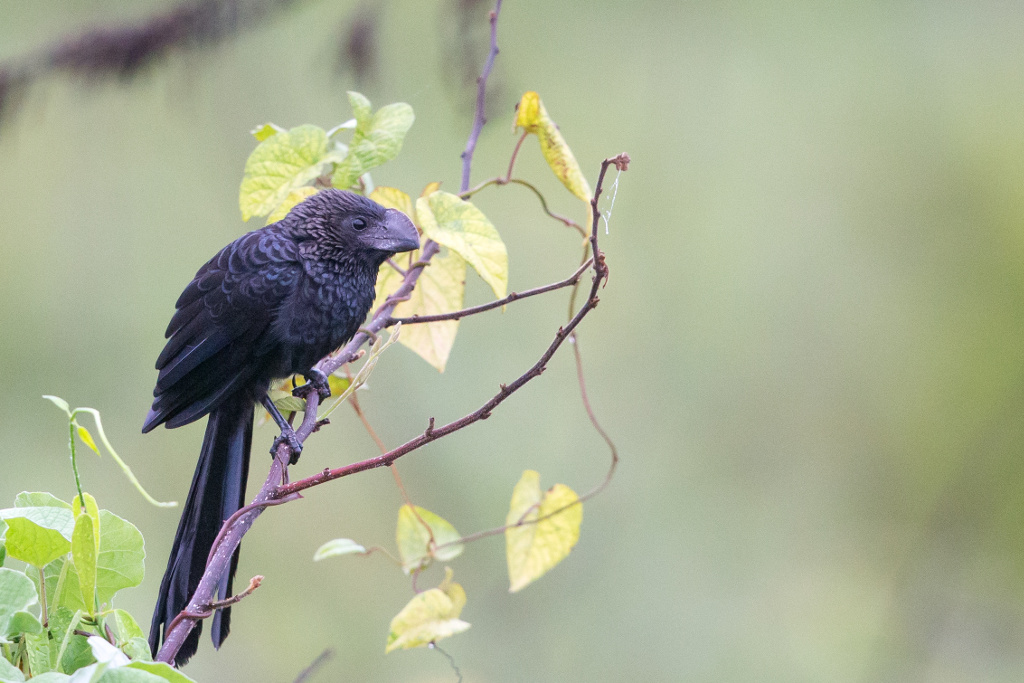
x,y
270,304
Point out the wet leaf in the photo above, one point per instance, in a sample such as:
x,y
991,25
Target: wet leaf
x,y
83,554
17,594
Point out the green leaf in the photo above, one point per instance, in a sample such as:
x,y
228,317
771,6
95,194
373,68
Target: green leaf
x,y
10,673
23,622
126,626
414,539
463,228
533,117
93,511
51,677
25,499
73,651
532,549
280,164
83,553
59,593
41,657
164,671
339,546
60,403
294,198
290,404
121,562
360,109
128,674
37,535
375,141
137,649
265,131
429,617
17,594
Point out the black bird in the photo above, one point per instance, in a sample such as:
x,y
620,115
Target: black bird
x,y
269,305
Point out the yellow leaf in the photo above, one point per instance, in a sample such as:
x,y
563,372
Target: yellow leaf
x,y
265,131
414,539
86,438
294,197
533,117
392,198
430,189
429,617
440,289
535,547
463,228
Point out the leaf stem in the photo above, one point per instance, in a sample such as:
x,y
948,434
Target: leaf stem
x,y
74,463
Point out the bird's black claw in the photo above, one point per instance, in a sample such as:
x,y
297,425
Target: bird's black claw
x,y
293,443
318,381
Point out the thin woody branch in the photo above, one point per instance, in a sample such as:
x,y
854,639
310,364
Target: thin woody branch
x,y
514,296
208,610
481,92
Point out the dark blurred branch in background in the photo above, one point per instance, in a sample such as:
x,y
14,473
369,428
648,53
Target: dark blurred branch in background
x,y
125,51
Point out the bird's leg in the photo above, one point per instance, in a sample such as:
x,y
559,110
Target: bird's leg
x,y
287,434
317,380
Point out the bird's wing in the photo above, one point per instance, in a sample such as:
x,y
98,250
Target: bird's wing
x,y
220,319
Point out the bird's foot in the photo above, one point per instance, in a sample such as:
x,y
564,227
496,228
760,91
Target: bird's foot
x,y
317,381
288,436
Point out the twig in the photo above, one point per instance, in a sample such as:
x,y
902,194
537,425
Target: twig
x,y
568,222
514,296
398,269
205,611
320,660
481,91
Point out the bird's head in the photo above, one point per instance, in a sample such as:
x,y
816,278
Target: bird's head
x,y
348,223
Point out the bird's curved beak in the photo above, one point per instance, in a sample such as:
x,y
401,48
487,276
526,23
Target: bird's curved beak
x,y
395,233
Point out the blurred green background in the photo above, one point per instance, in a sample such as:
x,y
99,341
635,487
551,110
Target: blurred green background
x,y
809,351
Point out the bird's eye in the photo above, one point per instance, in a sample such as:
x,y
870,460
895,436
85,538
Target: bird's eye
x,y
359,224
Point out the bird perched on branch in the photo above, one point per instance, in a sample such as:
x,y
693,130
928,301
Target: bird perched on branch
x,y
269,305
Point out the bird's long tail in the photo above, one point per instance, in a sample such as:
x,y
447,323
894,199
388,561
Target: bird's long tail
x,y
218,490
